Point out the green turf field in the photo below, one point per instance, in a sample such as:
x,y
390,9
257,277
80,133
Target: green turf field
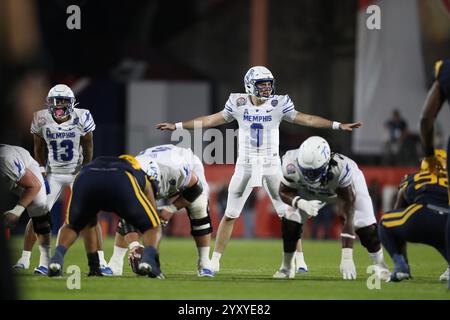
x,y
246,273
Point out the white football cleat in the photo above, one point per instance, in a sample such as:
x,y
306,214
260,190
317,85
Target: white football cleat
x,y
301,267
382,272
22,264
445,276
204,269
214,265
284,274
116,267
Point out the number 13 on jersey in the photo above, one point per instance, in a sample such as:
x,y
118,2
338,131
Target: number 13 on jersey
x,y
68,150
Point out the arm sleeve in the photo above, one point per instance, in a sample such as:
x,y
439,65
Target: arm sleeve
x,y
229,111
288,109
87,121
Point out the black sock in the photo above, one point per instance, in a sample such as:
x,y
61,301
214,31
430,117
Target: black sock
x,y
93,262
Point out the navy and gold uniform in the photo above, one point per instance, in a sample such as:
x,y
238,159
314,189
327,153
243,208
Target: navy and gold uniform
x,y
442,75
421,219
115,185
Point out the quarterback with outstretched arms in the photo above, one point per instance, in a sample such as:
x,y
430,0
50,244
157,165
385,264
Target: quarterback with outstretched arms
x,y
259,113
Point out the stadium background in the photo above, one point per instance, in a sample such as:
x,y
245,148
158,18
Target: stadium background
x,y
136,63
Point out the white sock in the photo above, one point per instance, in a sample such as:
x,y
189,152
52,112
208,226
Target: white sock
x,y
299,258
288,260
101,258
119,253
45,255
203,254
216,256
26,255
377,257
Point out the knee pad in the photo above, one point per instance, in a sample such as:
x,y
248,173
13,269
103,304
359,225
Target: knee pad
x,y
369,237
201,227
124,228
291,231
199,217
42,224
199,208
192,193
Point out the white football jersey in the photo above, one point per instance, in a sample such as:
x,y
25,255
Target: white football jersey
x,y
13,162
63,140
175,165
258,125
340,175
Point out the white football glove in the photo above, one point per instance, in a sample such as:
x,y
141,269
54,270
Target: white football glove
x,y
347,266
311,207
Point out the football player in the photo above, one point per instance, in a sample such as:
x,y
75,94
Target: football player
x,y
63,135
437,95
113,184
313,172
179,182
259,113
420,215
21,172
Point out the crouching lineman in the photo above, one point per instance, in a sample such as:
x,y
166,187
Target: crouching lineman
x,y
420,215
313,172
179,181
21,172
117,185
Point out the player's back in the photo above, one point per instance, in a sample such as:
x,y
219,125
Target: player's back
x,y
106,164
9,153
169,153
14,160
427,188
175,168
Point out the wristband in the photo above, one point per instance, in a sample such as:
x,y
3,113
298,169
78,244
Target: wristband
x,y
294,202
347,253
134,244
179,125
336,125
17,211
348,235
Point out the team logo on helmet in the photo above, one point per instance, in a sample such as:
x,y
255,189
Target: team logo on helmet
x,y
313,158
290,168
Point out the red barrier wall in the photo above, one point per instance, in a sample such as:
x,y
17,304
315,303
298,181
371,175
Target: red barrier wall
x,y
266,221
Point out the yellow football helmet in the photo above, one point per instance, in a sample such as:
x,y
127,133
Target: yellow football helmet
x,y
440,155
